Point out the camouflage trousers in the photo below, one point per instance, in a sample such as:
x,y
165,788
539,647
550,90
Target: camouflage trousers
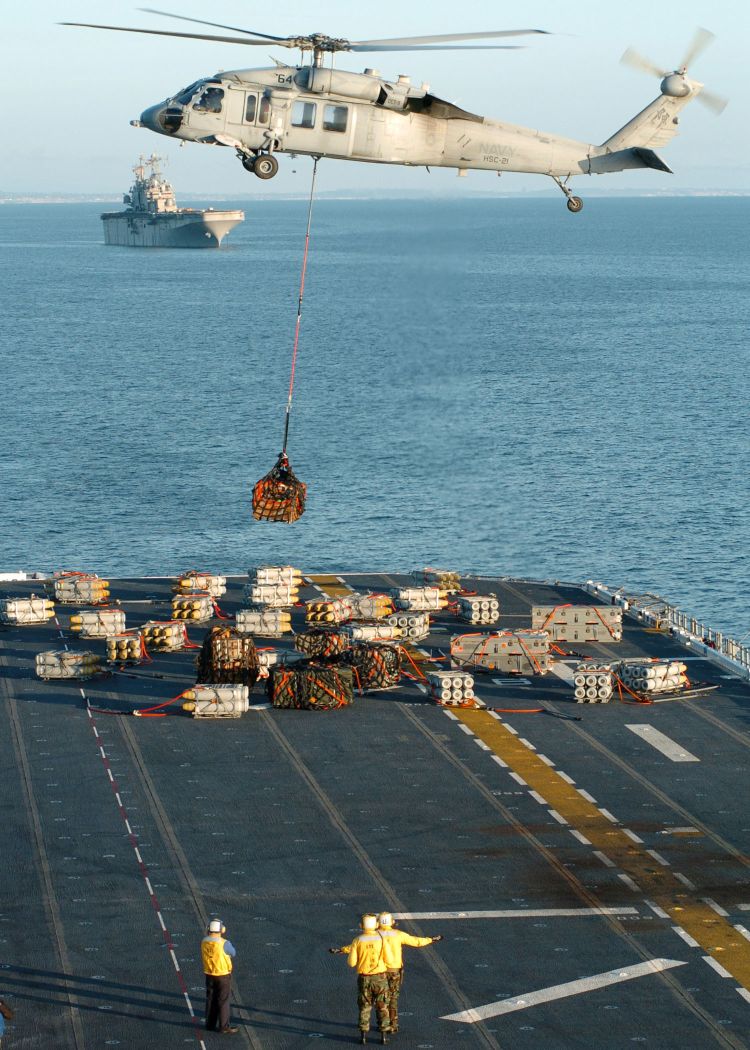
x,y
372,990
395,980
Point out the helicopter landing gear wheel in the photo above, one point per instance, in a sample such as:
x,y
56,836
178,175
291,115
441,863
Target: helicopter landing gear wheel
x,y
248,163
266,166
575,204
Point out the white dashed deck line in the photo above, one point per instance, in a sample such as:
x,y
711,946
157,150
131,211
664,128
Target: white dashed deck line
x,y
664,744
658,858
511,729
743,930
517,913
608,815
589,798
557,816
448,714
744,993
580,836
632,835
465,729
423,689
527,743
538,798
716,966
657,910
566,778
496,758
690,941
604,859
547,761
561,991
563,671
684,880
630,883
518,779
481,743
715,907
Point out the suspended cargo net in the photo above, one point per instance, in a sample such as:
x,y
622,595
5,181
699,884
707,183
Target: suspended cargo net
x,y
280,495
311,687
228,656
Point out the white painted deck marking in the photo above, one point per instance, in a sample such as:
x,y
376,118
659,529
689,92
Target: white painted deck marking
x,y
589,798
566,778
668,747
562,991
496,758
519,779
538,798
657,910
564,671
743,930
608,815
557,816
581,838
690,941
465,729
744,993
716,966
629,882
684,880
631,835
517,913
716,907
604,858
658,858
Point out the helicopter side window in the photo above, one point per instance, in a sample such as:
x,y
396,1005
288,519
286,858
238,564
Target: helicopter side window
x,y
264,110
334,118
303,114
250,107
210,101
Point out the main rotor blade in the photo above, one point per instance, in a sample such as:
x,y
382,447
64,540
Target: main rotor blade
x,y
713,101
443,38
700,42
216,25
436,47
189,36
637,61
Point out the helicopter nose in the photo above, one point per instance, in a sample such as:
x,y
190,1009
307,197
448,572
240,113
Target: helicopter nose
x,y
164,118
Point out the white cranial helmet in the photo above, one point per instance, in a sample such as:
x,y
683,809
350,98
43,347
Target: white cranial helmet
x,y
216,926
369,923
385,919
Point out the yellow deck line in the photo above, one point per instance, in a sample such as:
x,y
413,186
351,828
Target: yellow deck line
x,y
714,933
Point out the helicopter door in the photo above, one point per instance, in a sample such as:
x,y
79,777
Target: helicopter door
x,y
337,125
209,109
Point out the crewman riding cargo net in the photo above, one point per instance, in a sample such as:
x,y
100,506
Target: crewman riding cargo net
x,y
280,495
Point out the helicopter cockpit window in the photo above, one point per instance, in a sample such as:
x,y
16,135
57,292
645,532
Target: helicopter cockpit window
x,y
210,101
250,106
334,118
303,114
187,93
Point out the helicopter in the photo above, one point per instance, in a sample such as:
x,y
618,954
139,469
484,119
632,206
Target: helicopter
x,y
317,110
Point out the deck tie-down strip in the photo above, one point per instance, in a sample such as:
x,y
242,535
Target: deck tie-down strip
x,y
712,931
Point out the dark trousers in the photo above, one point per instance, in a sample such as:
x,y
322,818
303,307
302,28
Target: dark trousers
x,y
217,1001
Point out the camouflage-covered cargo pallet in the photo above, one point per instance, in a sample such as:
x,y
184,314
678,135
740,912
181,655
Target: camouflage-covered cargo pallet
x,y
312,687
321,644
228,657
375,666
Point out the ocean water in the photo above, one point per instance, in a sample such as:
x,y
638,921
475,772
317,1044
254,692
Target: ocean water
x,y
488,385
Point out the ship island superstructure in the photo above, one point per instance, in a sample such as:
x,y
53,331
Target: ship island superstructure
x,y
153,220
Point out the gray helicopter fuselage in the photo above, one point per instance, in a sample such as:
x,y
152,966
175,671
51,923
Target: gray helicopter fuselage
x,y
362,117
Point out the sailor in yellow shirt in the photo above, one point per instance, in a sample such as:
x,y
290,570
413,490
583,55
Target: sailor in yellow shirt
x,y
393,942
367,958
217,954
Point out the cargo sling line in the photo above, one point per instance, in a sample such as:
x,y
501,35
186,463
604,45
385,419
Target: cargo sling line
x,y
280,495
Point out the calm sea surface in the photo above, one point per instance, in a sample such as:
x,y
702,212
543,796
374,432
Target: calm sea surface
x,y
488,385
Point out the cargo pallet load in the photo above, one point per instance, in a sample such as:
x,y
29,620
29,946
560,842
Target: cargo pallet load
x,y
64,663
370,606
78,588
321,642
273,586
311,687
279,495
511,652
419,599
126,648
216,701
414,626
165,636
263,621
21,611
197,606
98,623
228,657
578,623
375,666
446,581
330,610
478,608
593,683
650,677
372,632
207,582
452,688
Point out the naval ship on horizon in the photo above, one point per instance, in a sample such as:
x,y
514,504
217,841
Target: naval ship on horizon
x,y
153,220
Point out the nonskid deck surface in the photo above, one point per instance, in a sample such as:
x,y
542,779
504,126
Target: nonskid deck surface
x,y
592,889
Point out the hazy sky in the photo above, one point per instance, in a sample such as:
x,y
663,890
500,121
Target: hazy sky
x,y
73,91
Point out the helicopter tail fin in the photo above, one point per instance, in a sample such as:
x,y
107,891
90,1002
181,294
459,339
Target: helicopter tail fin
x,y
656,125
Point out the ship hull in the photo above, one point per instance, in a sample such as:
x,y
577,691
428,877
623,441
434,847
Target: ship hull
x,y
189,229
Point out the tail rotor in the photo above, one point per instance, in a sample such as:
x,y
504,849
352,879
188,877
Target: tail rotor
x,y
675,82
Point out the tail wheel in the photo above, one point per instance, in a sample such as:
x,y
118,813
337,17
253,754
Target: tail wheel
x,y
575,204
266,166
